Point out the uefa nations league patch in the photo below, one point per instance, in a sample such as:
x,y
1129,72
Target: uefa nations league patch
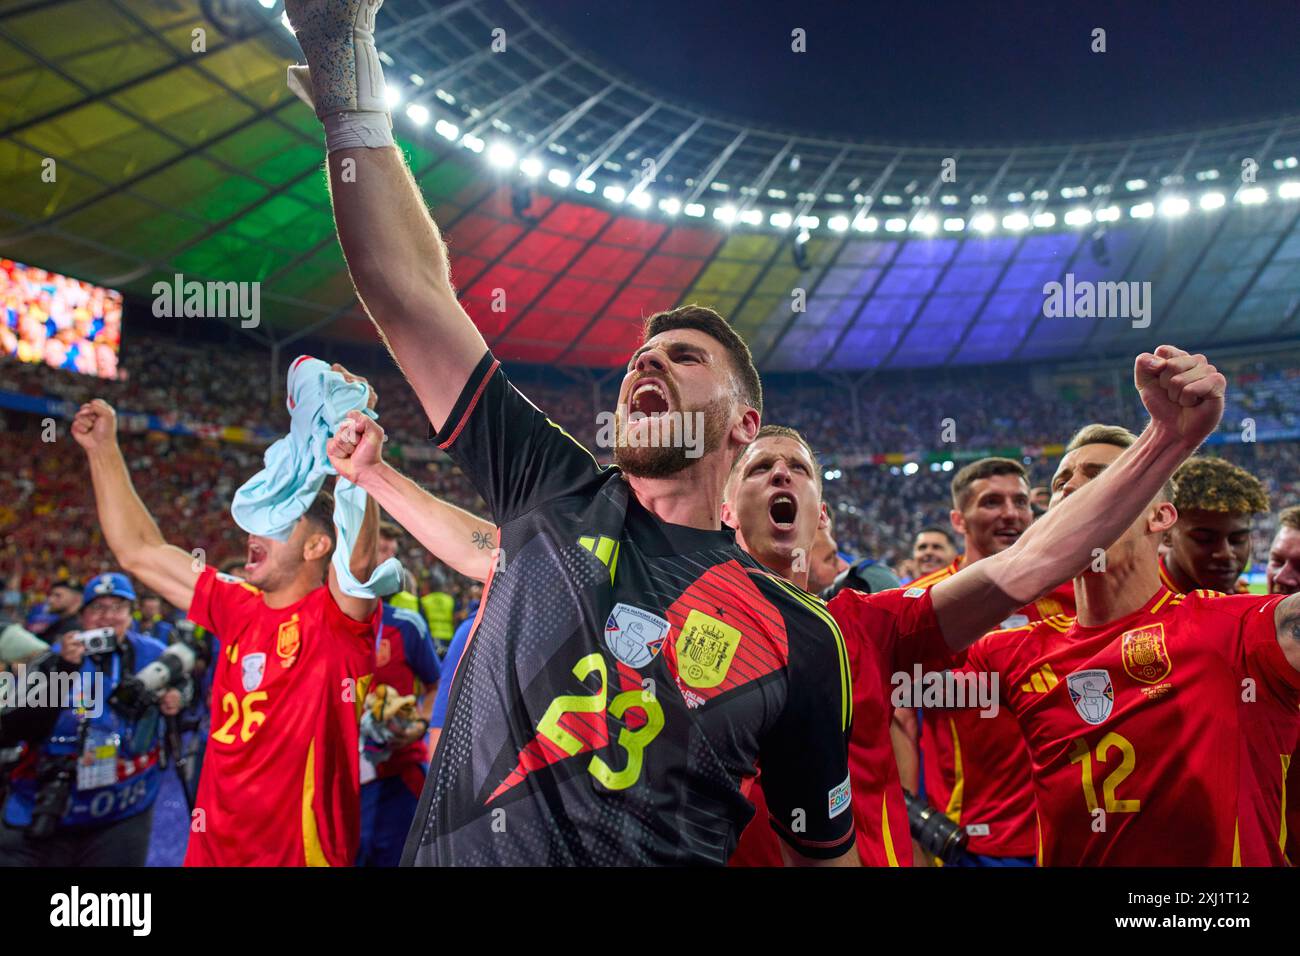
x,y
635,636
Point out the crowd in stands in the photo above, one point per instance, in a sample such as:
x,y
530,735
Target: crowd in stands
x,y
47,514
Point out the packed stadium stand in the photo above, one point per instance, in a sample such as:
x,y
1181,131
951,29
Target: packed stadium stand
x,y
877,507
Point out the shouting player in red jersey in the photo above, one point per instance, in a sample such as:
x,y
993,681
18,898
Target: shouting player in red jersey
x,y
976,766
773,499
280,780
1132,712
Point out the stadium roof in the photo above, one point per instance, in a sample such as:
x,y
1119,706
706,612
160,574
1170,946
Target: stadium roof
x,y
170,160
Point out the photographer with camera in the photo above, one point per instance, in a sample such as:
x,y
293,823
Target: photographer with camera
x,y
83,792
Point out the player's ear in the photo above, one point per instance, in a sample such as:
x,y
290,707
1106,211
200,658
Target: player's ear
x,y
823,518
316,544
1163,517
958,522
729,516
746,428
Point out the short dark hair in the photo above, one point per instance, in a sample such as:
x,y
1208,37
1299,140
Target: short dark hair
x,y
321,517
715,326
70,584
390,531
983,468
935,529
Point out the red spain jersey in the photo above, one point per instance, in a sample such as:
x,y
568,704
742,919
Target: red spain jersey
x,y
1270,734
1134,727
976,767
883,632
280,782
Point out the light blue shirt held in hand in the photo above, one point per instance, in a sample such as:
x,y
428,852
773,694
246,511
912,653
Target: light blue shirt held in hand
x,y
296,466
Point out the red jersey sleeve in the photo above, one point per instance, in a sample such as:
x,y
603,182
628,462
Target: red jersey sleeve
x,y
221,602
355,639
900,622
1264,656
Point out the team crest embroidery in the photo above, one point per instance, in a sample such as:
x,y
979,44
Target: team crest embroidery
x,y
1092,693
253,668
288,641
705,648
635,636
1144,654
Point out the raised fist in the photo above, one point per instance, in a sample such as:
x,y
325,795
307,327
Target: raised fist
x,y
95,425
356,447
1183,393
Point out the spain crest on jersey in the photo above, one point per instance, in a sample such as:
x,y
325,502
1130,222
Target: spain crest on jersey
x,y
1092,694
705,647
288,640
1144,653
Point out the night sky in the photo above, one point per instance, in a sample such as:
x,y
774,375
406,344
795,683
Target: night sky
x,y
933,71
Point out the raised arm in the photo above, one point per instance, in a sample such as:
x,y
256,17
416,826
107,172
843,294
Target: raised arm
x,y
129,529
400,268
362,563
1184,396
454,536
394,251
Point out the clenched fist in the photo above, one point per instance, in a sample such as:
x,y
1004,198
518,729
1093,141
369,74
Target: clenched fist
x,y
95,425
356,447
1183,393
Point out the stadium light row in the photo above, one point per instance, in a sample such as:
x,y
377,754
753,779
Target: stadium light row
x,y
890,219
504,157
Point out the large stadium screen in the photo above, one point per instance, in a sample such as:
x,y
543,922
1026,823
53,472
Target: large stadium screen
x,y
58,320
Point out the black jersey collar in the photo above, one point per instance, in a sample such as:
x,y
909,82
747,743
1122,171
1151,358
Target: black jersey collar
x,y
658,538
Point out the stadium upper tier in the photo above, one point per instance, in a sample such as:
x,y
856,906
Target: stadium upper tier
x,y
575,202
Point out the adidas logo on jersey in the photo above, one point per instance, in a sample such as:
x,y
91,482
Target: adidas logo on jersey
x,y
1041,681
605,549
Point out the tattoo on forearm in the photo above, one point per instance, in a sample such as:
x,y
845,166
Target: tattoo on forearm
x,y
482,540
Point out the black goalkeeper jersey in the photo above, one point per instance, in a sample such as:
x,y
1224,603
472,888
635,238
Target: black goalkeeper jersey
x,y
625,676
